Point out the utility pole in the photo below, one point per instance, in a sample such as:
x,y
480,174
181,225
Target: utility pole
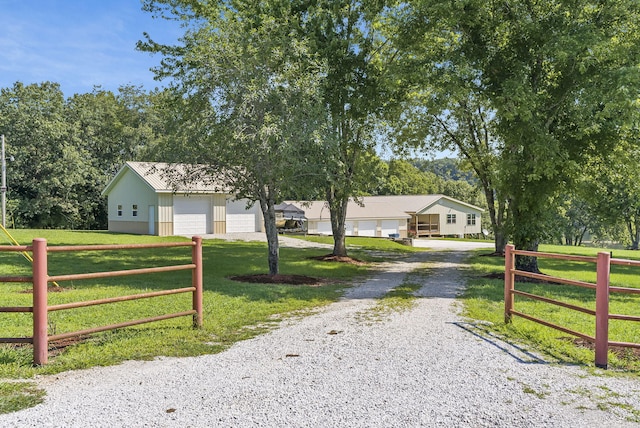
x,y
3,189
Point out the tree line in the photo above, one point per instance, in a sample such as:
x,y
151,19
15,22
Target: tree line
x,y
290,98
61,153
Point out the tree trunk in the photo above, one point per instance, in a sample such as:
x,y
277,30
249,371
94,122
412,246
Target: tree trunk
x,y
525,237
501,237
528,263
634,232
581,237
338,211
271,230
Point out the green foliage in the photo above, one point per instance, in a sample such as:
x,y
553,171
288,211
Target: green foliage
x,y
402,178
65,151
250,92
445,168
346,36
612,189
15,396
534,88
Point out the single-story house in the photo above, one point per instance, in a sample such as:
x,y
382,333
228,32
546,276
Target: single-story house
x,y
142,199
402,216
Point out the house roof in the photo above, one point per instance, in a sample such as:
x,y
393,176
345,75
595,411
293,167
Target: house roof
x,y
380,207
168,178
419,203
319,210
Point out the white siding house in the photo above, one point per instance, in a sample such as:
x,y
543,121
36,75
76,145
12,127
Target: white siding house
x,y
142,200
402,216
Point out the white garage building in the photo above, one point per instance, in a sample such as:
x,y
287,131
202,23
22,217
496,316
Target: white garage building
x,y
142,200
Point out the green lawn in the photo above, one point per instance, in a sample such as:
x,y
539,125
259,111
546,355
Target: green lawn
x,y
372,244
235,311
484,299
232,310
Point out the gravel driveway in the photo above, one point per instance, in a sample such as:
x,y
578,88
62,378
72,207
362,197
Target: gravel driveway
x,y
349,365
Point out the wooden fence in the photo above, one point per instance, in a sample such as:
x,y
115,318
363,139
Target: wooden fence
x,y
40,278
602,289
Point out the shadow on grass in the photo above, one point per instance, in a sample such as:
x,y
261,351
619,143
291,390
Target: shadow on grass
x,y
510,348
222,260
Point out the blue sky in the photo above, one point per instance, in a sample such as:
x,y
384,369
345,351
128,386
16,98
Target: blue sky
x,y
79,43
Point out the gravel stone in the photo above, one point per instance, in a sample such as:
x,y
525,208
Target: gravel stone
x,y
422,367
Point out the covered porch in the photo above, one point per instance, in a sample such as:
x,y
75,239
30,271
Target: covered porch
x,y
425,224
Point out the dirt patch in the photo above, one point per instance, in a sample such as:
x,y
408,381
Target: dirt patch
x,y
56,347
339,259
622,352
278,279
518,278
50,289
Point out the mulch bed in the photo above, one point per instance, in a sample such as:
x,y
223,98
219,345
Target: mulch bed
x,y
264,278
339,259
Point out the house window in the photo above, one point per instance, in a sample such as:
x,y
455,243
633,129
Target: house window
x,y
119,210
451,219
134,211
471,219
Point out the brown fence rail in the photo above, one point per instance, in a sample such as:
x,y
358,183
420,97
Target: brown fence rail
x,y
602,289
40,278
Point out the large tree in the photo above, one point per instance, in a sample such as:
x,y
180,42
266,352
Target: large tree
x,y
346,36
612,190
49,171
109,129
556,76
247,100
442,113
402,178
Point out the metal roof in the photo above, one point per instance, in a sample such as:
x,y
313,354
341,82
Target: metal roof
x,y
169,178
379,207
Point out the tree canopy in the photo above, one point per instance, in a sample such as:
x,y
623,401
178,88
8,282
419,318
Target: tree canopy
x,y
66,150
555,78
248,88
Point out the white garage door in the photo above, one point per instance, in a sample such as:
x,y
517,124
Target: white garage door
x,y
324,228
191,215
241,223
367,228
348,228
389,227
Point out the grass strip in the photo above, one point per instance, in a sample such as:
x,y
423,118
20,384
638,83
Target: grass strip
x,y
484,300
15,396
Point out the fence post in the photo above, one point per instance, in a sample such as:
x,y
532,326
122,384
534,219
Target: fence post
x,y
602,310
509,280
40,302
196,280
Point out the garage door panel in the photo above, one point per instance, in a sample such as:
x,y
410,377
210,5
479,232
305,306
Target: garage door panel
x,y
390,227
191,215
348,228
324,228
367,228
241,223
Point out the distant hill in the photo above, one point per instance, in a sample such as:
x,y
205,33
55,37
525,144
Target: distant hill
x,y
446,168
